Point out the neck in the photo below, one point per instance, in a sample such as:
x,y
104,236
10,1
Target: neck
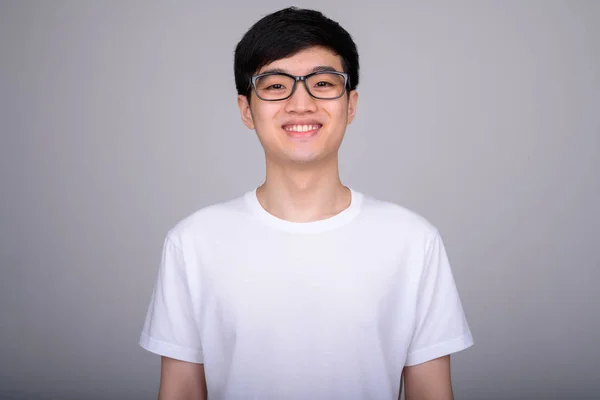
x,y
303,193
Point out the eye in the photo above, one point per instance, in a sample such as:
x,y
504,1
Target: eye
x,y
323,84
276,86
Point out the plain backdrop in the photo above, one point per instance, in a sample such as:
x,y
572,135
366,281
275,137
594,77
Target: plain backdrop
x,y
119,118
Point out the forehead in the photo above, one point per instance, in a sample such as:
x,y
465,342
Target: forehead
x,y
305,61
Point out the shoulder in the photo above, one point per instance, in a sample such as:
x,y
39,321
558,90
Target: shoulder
x,y
208,220
395,219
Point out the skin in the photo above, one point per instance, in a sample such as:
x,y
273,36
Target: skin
x,y
302,184
180,380
429,381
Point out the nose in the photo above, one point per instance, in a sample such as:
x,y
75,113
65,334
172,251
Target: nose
x,y
300,101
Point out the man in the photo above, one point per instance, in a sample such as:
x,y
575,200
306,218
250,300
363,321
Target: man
x,y
303,288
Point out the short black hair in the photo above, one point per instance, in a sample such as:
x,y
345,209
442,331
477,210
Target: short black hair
x,y
286,32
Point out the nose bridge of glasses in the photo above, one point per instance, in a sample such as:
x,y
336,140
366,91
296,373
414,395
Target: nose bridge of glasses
x,y
305,85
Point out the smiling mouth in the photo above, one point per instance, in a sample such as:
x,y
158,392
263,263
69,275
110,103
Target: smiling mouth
x,y
302,130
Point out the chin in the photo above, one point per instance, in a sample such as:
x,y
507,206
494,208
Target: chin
x,y
306,157
298,154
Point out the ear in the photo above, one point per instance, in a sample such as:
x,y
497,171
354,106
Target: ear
x,y
245,111
352,100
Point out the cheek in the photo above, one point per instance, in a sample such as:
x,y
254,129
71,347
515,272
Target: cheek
x,y
265,116
338,113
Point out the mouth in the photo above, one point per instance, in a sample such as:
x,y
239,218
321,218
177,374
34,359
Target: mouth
x,y
302,130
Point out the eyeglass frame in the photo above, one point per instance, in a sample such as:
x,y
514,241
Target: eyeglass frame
x,y
304,78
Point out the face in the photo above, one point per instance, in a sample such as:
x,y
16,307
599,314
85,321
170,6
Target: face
x,y
300,129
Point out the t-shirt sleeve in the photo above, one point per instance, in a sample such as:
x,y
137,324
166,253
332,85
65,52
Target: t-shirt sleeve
x,y
441,327
171,326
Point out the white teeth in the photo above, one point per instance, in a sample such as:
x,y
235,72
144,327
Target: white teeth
x,y
301,128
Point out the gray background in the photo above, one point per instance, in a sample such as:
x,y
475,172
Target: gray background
x,y
119,118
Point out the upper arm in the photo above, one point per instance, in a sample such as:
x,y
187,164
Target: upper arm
x,y
440,324
171,328
429,380
441,329
181,380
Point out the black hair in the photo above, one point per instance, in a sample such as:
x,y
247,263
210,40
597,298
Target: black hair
x,y
286,32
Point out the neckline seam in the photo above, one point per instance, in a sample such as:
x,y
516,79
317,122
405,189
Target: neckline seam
x,y
323,225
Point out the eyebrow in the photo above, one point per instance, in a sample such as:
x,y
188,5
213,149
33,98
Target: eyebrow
x,y
318,68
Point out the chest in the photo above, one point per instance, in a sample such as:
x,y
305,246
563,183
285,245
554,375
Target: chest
x,y
286,284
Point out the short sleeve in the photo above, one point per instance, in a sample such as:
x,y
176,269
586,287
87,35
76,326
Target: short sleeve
x,y
171,327
441,327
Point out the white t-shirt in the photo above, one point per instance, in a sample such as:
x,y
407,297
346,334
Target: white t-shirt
x,y
332,309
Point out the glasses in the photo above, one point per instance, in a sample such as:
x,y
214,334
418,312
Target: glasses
x,y
323,85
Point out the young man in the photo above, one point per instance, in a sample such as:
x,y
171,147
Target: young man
x,y
303,288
